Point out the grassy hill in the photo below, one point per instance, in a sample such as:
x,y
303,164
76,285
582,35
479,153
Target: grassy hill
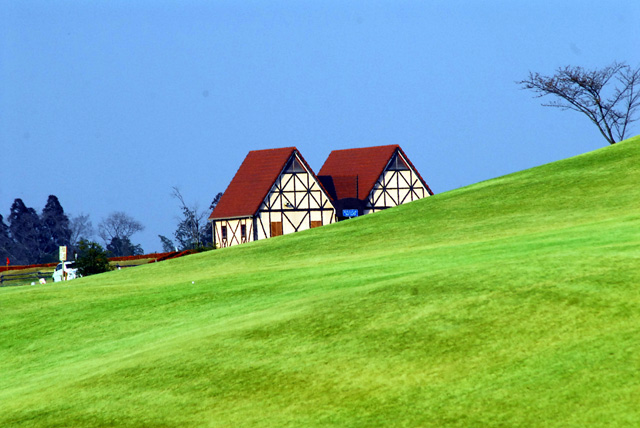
x,y
512,302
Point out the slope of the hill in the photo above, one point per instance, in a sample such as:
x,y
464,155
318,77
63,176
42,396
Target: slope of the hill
x,y
512,302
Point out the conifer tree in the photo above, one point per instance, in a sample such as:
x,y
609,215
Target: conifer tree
x,y
6,243
55,226
27,233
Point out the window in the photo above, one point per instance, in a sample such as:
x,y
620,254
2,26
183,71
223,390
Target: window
x,y
397,164
223,231
243,231
276,228
315,224
294,166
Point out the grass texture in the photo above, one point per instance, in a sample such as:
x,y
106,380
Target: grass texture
x,y
512,302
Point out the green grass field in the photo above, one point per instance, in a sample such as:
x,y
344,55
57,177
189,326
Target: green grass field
x,y
512,302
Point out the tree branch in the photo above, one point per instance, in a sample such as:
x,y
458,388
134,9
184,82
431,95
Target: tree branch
x,y
582,91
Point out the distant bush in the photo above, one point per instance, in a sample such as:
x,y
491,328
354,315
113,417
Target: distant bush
x,y
92,258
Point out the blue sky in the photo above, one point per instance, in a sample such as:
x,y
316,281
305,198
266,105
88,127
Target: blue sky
x,y
108,104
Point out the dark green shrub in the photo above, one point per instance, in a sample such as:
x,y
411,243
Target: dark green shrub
x,y
92,258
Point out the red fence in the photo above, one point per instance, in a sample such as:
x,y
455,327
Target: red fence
x,y
21,267
156,257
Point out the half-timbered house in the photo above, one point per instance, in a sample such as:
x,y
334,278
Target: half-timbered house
x,y
274,192
370,179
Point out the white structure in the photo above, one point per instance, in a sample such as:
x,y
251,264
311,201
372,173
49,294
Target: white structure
x,y
370,179
273,193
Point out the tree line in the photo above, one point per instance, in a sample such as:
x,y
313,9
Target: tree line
x,y
28,237
31,237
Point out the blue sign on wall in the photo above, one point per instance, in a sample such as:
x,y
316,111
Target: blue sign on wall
x,y
349,213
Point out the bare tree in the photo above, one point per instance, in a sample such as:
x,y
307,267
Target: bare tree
x,y
608,97
118,225
81,228
192,224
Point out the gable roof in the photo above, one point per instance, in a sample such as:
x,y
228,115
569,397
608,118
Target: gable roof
x,y
253,181
352,173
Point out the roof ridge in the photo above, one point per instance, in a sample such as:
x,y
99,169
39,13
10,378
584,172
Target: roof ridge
x,y
367,148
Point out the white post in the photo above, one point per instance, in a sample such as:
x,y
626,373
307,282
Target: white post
x,y
63,258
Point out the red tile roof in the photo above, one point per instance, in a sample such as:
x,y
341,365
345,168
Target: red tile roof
x,y
343,166
253,181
